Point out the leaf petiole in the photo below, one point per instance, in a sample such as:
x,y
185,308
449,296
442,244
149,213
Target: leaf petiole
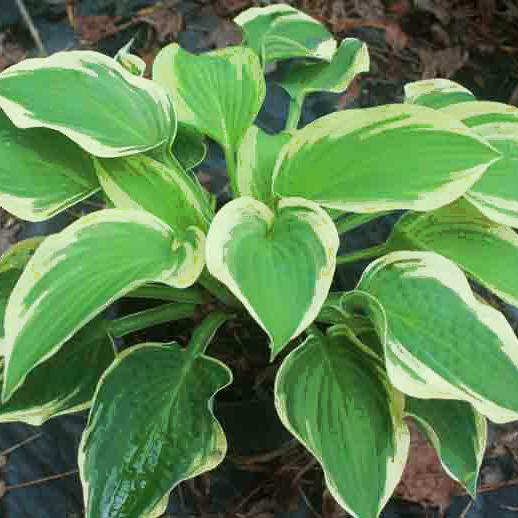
x,y
150,317
366,253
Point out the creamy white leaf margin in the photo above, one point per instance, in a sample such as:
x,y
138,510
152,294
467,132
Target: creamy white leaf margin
x,y
407,373
481,439
395,464
82,61
337,125
241,209
417,89
18,315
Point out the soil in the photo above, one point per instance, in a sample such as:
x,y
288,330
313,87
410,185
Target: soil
x,y
266,473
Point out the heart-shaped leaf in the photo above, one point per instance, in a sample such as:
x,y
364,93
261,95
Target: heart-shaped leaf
x,y
351,59
66,382
439,340
256,159
91,99
37,182
168,192
118,250
334,397
482,248
437,93
161,397
219,92
367,160
280,264
280,31
457,432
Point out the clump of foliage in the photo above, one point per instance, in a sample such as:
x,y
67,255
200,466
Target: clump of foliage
x,y
411,339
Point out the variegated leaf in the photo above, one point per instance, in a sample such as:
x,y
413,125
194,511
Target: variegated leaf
x,y
334,397
280,264
280,31
351,59
486,250
168,192
457,432
367,160
65,383
437,93
36,180
219,92
162,397
91,99
116,250
496,192
440,342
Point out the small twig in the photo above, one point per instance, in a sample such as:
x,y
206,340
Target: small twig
x,y
246,499
42,480
308,503
32,28
20,444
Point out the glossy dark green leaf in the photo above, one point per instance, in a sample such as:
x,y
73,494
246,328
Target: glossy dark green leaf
x,y
150,427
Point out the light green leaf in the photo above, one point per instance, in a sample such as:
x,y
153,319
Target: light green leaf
x,y
256,159
91,99
168,192
133,64
280,264
162,397
485,250
367,160
75,274
65,383
337,401
280,31
41,172
189,146
220,93
457,432
440,342
437,93
351,59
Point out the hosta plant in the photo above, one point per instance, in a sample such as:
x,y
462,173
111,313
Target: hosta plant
x,y
412,339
